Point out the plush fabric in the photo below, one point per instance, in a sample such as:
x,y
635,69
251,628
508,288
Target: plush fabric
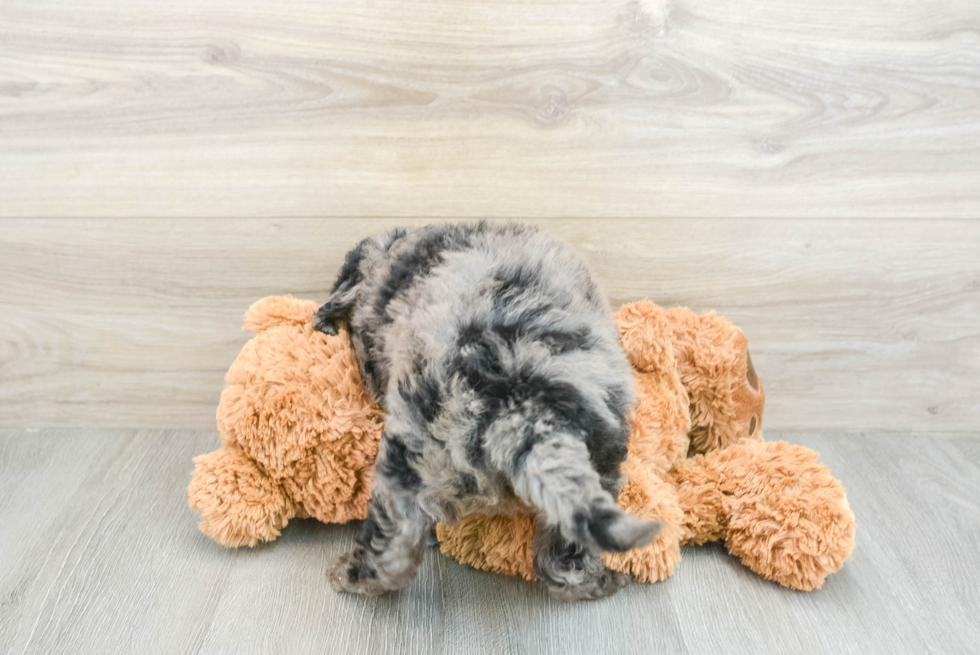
x,y
300,434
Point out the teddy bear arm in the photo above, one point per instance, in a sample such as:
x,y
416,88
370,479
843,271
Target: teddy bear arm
x,y
649,497
701,500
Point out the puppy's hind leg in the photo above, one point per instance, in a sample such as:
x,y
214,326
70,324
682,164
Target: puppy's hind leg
x,y
570,571
556,476
578,519
392,539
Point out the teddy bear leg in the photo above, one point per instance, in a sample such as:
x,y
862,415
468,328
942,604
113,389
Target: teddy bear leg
x,y
239,504
390,545
570,571
782,514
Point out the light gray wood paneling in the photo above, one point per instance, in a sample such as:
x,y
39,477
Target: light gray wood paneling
x,y
852,324
471,108
100,554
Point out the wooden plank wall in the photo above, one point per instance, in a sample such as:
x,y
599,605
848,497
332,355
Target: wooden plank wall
x,y
853,324
811,170
449,108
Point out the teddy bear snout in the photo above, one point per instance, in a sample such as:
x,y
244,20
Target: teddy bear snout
x,y
750,372
754,396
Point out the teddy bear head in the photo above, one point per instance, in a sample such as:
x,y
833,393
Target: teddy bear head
x,y
299,432
725,398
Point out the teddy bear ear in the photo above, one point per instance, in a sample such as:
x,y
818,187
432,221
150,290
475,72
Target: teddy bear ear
x,y
278,310
645,336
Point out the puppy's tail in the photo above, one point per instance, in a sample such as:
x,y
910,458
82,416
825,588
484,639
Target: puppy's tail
x,y
557,478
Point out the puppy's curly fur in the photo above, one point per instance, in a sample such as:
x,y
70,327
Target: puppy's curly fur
x,y
494,355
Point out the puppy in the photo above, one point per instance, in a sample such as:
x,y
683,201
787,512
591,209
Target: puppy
x,y
495,358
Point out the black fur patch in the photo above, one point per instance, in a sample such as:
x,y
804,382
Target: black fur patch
x,y
581,520
474,441
562,556
479,364
616,402
467,486
360,570
606,443
376,530
558,342
512,282
326,317
420,261
528,442
481,368
376,382
607,456
397,463
598,525
350,276
425,395
350,272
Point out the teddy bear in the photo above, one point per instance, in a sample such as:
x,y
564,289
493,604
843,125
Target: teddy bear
x,y
697,463
299,435
298,431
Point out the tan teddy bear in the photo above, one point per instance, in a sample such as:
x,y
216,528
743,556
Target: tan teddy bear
x,y
300,434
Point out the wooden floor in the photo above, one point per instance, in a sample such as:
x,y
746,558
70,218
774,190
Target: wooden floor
x,y
100,554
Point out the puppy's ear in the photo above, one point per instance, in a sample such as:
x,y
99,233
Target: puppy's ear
x,y
278,310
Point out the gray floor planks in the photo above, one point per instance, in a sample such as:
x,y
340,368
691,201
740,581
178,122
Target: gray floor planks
x,y
100,554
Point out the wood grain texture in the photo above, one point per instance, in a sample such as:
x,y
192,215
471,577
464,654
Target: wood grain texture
x,y
852,324
591,108
100,554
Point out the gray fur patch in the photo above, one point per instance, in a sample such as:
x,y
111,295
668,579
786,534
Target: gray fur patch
x,y
493,352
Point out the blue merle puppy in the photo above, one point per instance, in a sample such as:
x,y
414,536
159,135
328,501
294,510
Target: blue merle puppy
x,y
495,358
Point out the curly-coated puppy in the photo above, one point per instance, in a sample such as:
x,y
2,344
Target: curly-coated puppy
x,y
494,355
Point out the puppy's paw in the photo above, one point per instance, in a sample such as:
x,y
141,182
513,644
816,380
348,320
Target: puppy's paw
x,y
351,574
612,581
325,321
606,583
